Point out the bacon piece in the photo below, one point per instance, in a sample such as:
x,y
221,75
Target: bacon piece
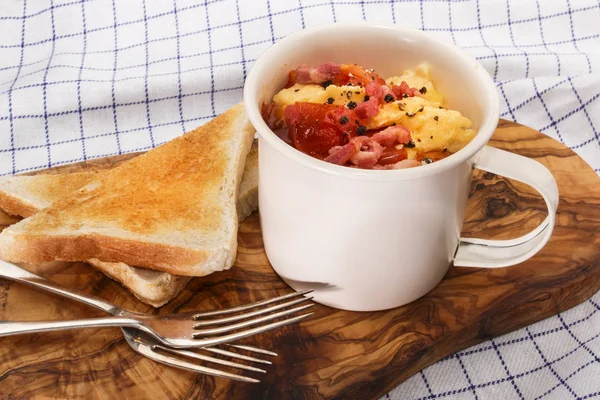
x,y
403,89
308,74
374,90
365,151
378,91
360,141
367,109
368,153
399,165
405,164
341,154
392,135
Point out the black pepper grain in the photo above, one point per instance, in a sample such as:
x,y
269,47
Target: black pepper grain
x,y
357,92
367,98
330,100
344,120
401,106
415,113
297,90
351,105
410,145
404,96
389,98
436,118
349,94
445,149
427,160
423,90
326,84
430,137
361,130
441,108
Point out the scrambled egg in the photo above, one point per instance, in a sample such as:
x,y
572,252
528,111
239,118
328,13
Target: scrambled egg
x,y
312,93
433,127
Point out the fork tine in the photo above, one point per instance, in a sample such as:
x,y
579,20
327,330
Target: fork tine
x,y
235,355
251,305
191,354
254,349
252,313
147,351
244,324
232,337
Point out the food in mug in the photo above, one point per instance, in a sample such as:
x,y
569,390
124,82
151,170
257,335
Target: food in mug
x,y
348,115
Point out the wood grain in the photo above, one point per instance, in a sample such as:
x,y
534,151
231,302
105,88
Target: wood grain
x,y
335,354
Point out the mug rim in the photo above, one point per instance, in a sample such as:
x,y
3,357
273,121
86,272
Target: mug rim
x,y
270,56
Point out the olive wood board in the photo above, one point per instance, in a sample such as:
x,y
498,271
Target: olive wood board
x,y
333,354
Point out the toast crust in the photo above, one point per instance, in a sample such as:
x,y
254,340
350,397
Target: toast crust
x,y
174,260
16,206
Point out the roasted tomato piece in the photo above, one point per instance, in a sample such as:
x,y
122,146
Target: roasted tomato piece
x,y
291,79
392,155
352,74
273,115
316,128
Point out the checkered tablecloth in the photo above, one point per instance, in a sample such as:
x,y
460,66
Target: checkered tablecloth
x,y
85,79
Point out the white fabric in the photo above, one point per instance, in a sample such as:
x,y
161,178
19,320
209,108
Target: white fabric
x,y
88,79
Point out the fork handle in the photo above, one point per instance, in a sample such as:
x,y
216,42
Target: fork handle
x,y
9,328
16,273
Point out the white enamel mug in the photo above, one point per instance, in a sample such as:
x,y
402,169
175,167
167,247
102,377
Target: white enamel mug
x,y
369,240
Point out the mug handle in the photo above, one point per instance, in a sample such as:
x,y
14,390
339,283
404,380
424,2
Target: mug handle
x,y
482,253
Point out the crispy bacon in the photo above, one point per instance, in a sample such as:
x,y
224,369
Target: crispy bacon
x,y
403,89
368,153
399,165
365,151
341,154
378,91
367,109
392,135
308,74
406,164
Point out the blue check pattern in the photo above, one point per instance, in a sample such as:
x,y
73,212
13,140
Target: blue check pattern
x,y
86,79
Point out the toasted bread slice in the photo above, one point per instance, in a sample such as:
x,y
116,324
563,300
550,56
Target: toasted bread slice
x,y
172,209
26,195
248,197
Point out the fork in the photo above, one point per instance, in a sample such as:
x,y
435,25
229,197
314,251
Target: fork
x,y
148,347
171,330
